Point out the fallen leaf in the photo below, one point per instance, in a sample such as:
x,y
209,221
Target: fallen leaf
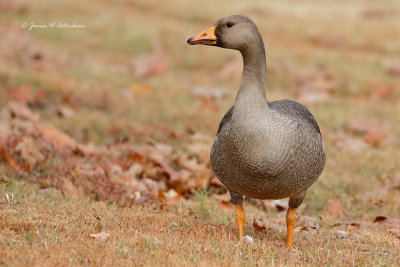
x,y
20,94
202,151
3,200
381,222
352,229
216,182
387,223
171,194
353,224
335,207
224,204
102,236
305,223
29,153
258,224
5,133
70,189
65,111
22,111
135,170
23,94
59,140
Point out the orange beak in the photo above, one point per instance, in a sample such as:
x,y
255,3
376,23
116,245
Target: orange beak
x,y
206,37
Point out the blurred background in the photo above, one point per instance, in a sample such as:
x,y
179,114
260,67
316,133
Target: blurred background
x,y
123,98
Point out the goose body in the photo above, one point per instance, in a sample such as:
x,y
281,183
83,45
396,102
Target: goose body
x,y
263,150
274,152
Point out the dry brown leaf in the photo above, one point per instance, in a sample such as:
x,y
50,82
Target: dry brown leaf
x,y
381,222
352,229
202,151
216,182
170,197
24,94
102,236
59,140
387,223
224,204
226,197
305,223
65,111
353,224
191,163
70,189
335,207
5,133
258,224
29,153
21,94
135,170
22,111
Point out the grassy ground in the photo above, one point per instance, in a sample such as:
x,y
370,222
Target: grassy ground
x,y
56,231
91,72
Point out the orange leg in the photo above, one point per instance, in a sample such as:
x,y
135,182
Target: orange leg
x,y
240,218
290,220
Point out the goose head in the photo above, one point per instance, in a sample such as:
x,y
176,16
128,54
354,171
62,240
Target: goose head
x,y
234,32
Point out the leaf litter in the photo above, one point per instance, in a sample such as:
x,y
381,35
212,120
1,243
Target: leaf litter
x,y
121,173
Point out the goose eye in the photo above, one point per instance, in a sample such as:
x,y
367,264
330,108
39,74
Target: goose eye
x,y
229,24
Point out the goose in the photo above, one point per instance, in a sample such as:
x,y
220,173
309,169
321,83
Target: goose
x,y
262,150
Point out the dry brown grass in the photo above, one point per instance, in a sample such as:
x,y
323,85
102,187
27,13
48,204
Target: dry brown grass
x,y
89,71
44,228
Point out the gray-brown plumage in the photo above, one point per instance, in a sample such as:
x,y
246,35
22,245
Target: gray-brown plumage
x,y
263,150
